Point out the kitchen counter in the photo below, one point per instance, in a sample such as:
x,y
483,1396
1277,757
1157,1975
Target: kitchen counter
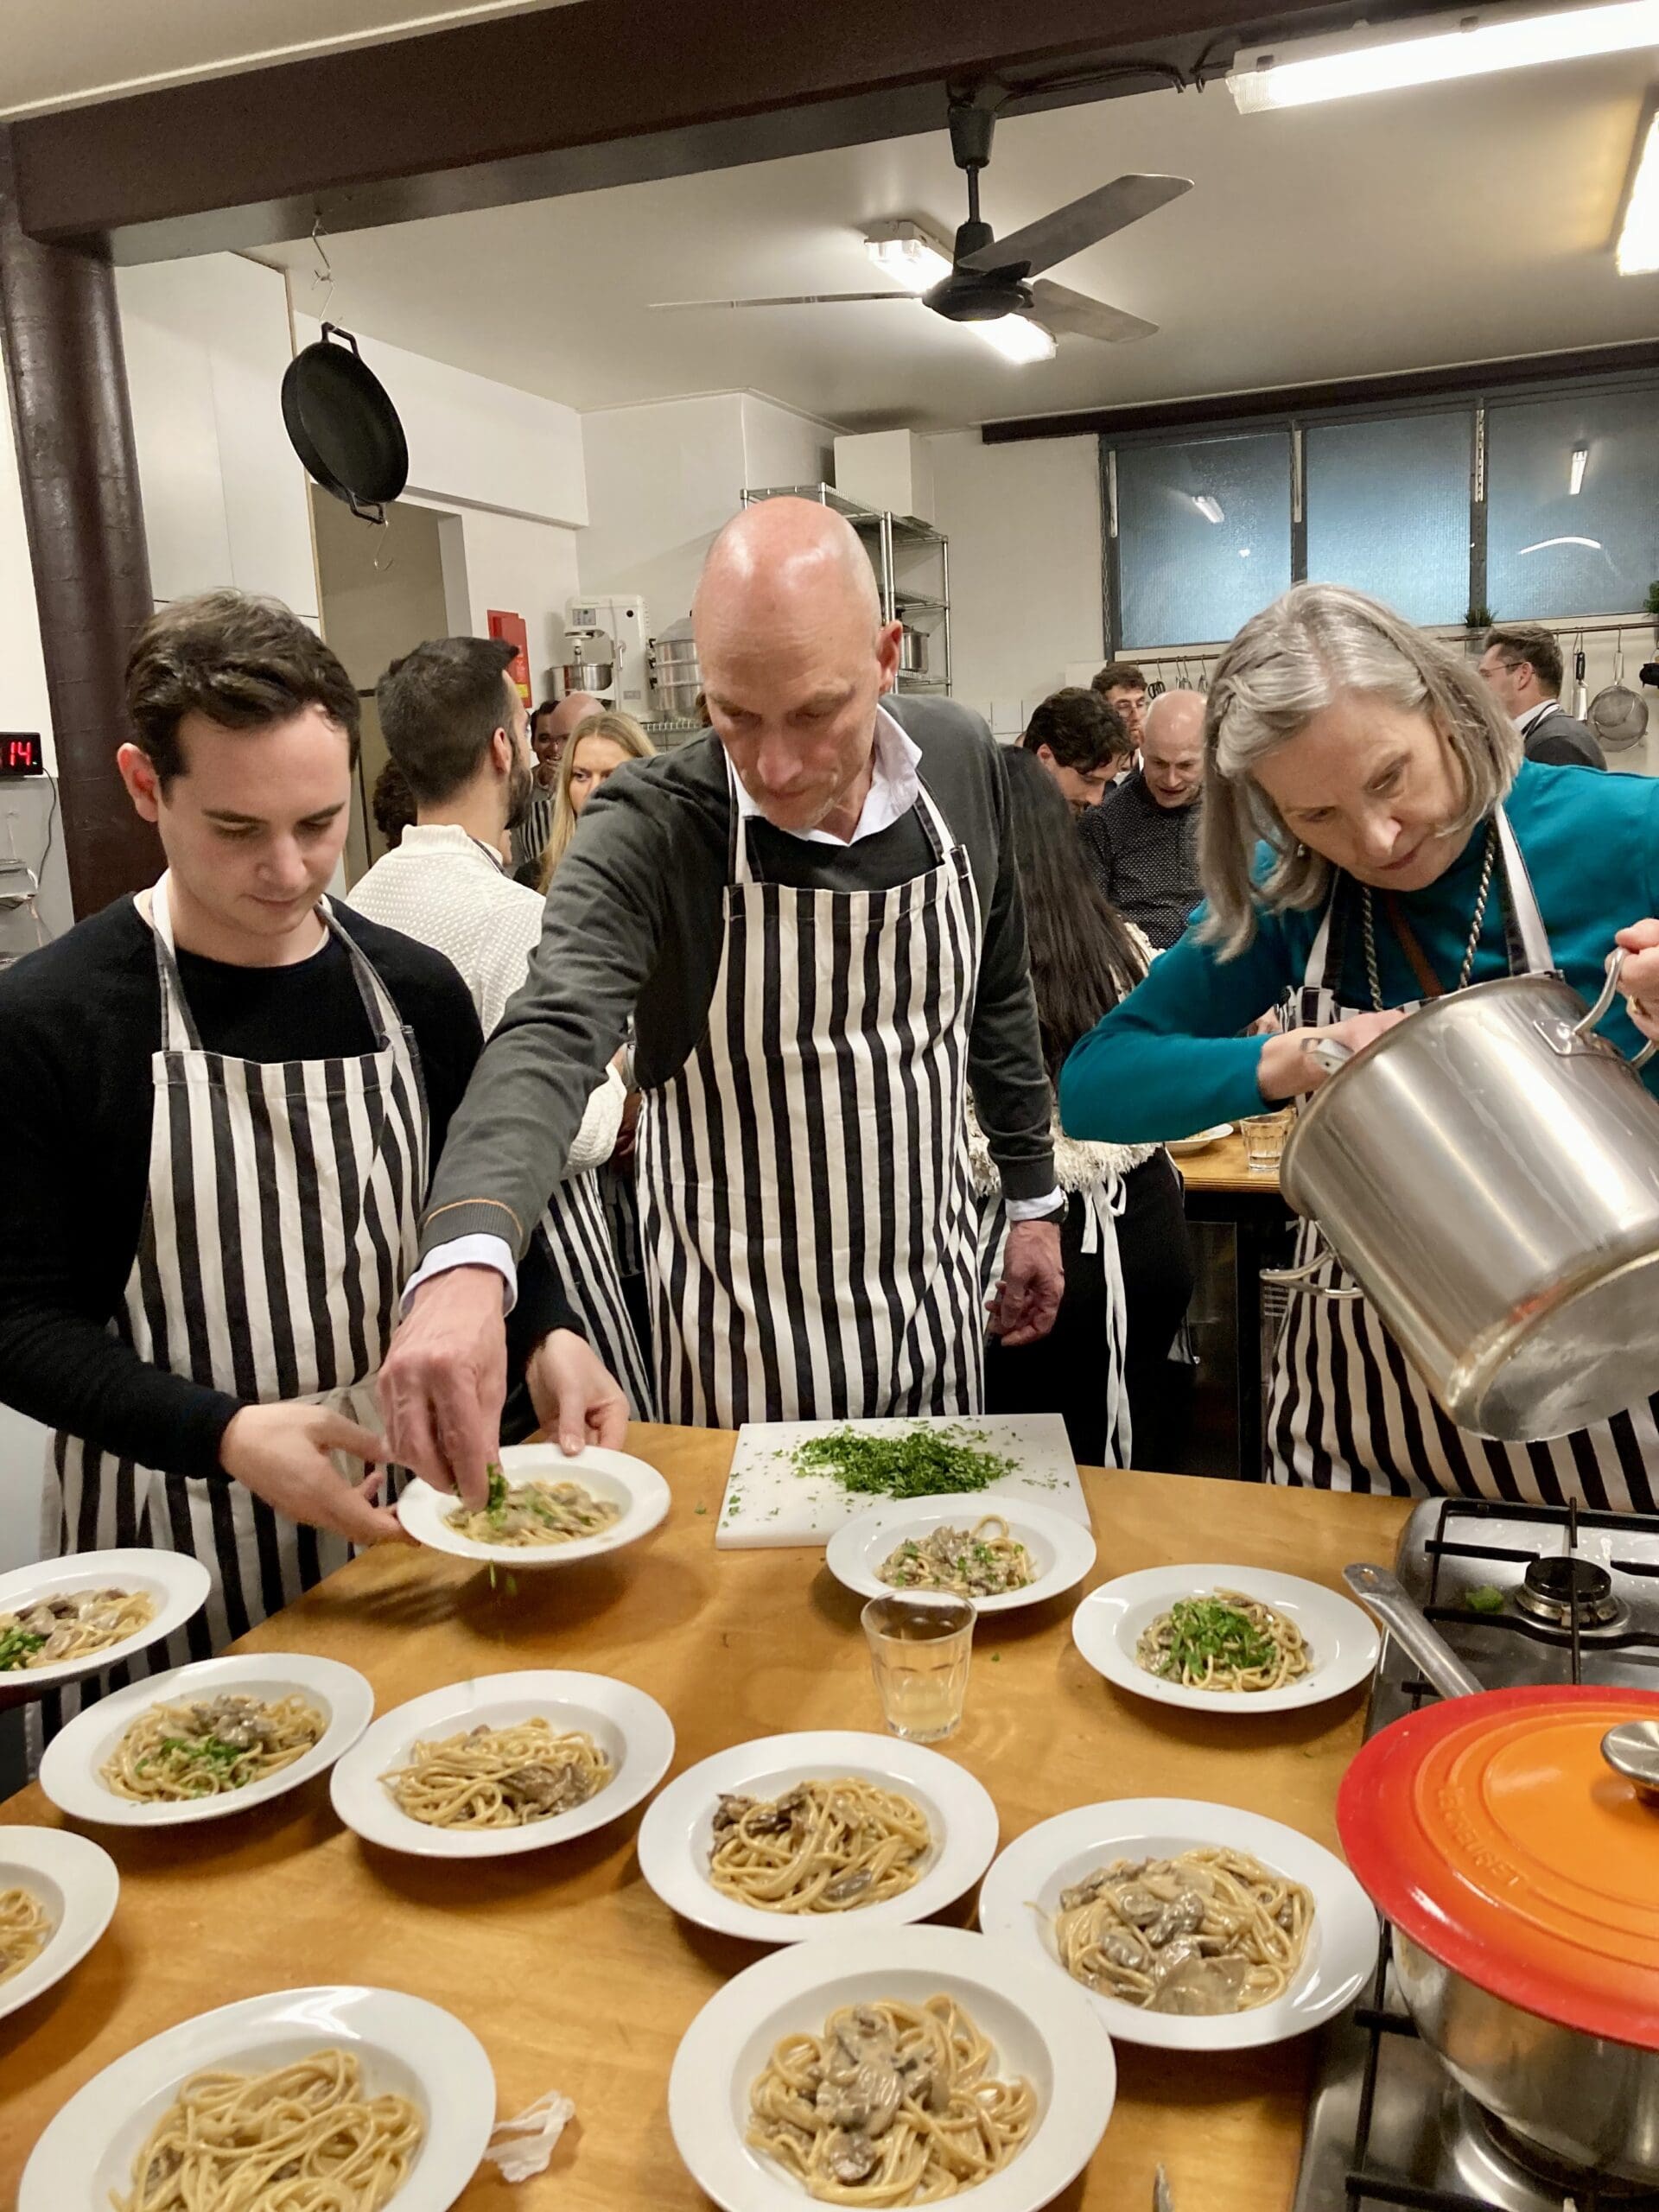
x,y
563,1962
1224,1166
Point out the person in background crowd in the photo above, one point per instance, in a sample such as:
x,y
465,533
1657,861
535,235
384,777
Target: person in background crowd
x,y
1523,663
1409,850
392,805
1141,844
212,1198
1123,687
1080,740
602,744
455,724
1128,1259
759,901
549,732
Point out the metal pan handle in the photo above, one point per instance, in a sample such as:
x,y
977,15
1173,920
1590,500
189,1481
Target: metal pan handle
x,y
1608,992
1300,1280
1383,1594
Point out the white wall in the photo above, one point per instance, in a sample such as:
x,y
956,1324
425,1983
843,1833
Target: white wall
x,y
24,703
1023,522
224,497
663,477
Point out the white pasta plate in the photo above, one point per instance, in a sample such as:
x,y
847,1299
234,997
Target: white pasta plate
x,y
70,1771
1200,1140
615,1476
175,1583
677,1834
75,1885
403,2044
1342,1644
1062,1549
1037,2027
630,1729
1020,1897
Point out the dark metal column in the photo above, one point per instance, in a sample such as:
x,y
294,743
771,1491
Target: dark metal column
x,y
62,338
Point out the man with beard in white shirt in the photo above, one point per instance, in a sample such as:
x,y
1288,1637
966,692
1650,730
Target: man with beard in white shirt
x,y
454,724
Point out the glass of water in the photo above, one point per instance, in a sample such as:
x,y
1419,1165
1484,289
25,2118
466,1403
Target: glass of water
x,y
921,1645
1264,1141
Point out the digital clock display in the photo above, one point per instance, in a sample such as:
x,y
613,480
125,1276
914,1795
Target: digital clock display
x,y
22,754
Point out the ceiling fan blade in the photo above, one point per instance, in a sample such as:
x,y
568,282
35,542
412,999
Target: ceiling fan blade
x,y
788,300
1069,313
1080,224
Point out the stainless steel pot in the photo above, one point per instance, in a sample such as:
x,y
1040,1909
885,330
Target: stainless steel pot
x,y
674,670
1487,1171
1585,2098
912,652
586,676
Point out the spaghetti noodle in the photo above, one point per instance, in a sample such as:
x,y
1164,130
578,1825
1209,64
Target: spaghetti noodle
x,y
1225,1641
24,1928
174,1753
1211,1931
823,1846
499,1778
304,2138
534,1513
893,2104
70,1625
983,1561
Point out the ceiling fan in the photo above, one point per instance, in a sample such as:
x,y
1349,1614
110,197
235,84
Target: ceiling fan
x,y
990,278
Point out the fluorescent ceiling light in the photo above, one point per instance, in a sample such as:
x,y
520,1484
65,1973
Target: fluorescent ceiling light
x,y
1016,338
1638,236
1544,545
1575,472
908,256
1468,45
1209,508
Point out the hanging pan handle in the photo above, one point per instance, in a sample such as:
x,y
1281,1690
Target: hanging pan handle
x,y
1597,1013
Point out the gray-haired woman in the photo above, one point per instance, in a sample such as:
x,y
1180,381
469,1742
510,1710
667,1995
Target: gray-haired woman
x,y
1371,838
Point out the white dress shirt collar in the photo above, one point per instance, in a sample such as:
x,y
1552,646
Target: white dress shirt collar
x,y
895,786
1525,723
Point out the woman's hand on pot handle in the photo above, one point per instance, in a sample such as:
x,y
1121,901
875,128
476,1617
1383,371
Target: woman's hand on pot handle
x,y
1287,1070
1639,977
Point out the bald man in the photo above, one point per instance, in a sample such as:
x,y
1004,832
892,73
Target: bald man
x,y
1141,843
810,913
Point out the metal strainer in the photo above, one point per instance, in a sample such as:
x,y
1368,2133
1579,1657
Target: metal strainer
x,y
1617,715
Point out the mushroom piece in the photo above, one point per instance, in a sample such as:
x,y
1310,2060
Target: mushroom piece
x,y
850,2157
847,1888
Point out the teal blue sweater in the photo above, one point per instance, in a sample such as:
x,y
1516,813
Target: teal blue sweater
x,y
1168,1059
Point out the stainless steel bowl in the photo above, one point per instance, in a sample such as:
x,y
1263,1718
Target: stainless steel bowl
x,y
587,675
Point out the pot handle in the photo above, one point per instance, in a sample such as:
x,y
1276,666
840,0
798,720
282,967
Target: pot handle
x,y
1300,1280
1609,990
1383,1594
1329,1052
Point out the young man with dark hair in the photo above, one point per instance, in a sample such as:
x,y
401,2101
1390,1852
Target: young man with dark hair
x,y
1081,743
1123,687
1523,666
455,723
226,1099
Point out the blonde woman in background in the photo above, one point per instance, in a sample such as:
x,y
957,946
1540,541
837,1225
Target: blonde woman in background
x,y
601,744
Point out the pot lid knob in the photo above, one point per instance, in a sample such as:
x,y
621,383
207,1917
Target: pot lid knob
x,y
1632,1750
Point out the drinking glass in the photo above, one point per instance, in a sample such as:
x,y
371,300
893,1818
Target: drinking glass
x,y
1264,1141
921,1645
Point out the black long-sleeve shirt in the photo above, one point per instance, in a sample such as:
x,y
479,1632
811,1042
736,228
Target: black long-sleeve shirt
x,y
634,927
80,1021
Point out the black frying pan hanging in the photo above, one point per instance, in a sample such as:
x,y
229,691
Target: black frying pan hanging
x,y
343,426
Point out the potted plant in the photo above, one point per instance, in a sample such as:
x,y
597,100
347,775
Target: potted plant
x,y
1653,607
1477,621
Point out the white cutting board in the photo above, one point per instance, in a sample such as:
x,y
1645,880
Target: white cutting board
x,y
767,1503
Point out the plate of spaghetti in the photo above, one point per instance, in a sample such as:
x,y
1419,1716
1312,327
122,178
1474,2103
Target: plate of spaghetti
x,y
65,1618
205,1741
57,1893
505,1763
397,2101
823,1833
977,2073
542,1509
1190,1926
1018,1555
1228,1640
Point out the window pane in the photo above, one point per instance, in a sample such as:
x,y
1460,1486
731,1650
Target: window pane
x,y
1550,551
1388,511
1203,536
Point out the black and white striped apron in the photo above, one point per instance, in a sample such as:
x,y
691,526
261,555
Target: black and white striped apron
x,y
576,1231
281,1220
807,1203
1348,1411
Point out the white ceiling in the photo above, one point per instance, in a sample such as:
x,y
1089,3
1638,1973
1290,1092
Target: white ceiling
x,y
78,50
1456,222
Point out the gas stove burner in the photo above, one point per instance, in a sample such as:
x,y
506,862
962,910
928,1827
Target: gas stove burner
x,y
1520,2158
1553,1588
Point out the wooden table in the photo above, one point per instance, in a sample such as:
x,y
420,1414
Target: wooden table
x,y
1221,1188
563,1962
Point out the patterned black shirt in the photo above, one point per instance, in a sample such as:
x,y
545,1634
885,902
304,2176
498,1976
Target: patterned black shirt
x,y
1145,858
